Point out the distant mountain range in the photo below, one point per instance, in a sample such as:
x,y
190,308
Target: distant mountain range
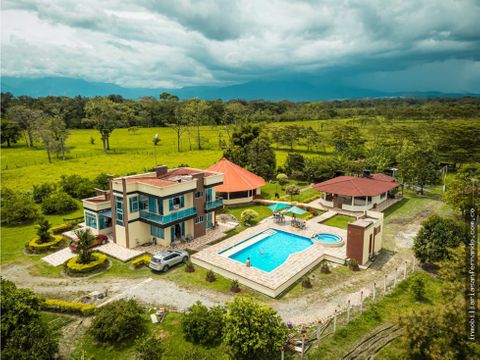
x,y
294,90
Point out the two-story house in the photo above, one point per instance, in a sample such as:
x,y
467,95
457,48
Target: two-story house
x,y
160,207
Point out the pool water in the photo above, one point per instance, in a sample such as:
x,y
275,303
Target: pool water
x,y
273,250
327,238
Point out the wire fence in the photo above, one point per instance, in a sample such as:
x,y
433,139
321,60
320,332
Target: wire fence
x,y
302,339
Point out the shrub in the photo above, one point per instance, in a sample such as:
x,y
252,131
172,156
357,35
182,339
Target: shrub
x,y
292,190
118,321
210,277
101,181
417,288
58,203
306,283
189,267
17,207
36,246
435,237
204,326
282,179
74,267
325,269
69,307
149,348
141,261
61,228
253,330
40,192
234,286
248,216
353,265
77,186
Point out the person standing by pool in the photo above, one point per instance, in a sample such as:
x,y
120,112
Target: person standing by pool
x,y
247,262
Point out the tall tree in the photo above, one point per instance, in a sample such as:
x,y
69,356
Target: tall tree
x,y
348,141
463,192
195,113
10,131
105,116
418,164
27,119
179,125
261,157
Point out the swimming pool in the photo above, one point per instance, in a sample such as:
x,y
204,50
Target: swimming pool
x,y
329,239
272,250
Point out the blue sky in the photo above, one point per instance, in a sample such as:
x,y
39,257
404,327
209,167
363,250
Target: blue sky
x,y
390,45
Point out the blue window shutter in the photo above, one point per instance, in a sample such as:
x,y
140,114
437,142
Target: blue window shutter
x,y
152,204
170,204
160,202
182,201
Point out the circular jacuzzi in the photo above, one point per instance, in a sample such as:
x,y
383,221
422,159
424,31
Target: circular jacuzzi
x,y
329,239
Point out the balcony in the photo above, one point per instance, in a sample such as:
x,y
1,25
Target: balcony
x,y
217,203
166,219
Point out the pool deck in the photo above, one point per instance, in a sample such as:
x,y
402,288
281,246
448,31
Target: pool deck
x,y
278,280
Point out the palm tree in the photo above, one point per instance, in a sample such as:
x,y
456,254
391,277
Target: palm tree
x,y
43,230
85,239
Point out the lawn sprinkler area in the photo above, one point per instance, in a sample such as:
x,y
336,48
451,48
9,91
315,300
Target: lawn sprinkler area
x,y
279,254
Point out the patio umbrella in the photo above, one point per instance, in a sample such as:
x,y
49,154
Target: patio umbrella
x,y
295,210
278,206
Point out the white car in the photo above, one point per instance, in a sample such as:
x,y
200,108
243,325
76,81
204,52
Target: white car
x,y
164,260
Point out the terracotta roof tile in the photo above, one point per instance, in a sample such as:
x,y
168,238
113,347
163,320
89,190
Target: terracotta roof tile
x,y
236,178
358,186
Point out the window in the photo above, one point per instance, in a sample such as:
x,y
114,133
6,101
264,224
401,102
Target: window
x,y
199,219
157,231
176,203
198,194
143,202
119,210
133,201
91,220
383,195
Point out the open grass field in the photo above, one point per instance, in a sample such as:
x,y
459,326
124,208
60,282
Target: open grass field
x,y
23,167
339,221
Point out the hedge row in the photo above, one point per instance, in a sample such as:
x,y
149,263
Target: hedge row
x,y
61,228
99,260
36,247
141,261
69,307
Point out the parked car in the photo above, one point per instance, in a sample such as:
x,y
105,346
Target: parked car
x,y
164,260
99,240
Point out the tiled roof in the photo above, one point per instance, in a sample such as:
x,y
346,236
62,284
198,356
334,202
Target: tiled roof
x,y
235,178
358,186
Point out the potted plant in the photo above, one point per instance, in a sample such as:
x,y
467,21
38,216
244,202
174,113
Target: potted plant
x,y
210,277
306,283
189,267
235,287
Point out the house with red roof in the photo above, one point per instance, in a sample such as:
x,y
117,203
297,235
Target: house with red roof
x,y
239,185
356,193
160,207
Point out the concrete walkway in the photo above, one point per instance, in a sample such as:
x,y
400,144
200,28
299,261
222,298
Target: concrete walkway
x,y
59,257
119,252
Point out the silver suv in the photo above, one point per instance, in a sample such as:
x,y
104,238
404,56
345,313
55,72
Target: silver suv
x,y
164,260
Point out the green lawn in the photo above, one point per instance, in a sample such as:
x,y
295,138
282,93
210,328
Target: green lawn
x,y
388,309
169,333
339,221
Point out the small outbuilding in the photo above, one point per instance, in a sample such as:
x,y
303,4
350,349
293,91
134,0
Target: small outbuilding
x,y
356,193
239,186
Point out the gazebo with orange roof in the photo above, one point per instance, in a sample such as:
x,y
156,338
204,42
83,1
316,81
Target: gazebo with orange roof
x,y
239,185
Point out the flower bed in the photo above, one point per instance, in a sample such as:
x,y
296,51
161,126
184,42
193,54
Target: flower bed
x,y
69,307
35,247
99,261
141,261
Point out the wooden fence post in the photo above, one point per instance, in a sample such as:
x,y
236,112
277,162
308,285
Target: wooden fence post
x,y
303,345
384,284
319,327
348,311
414,263
395,278
361,301
282,353
374,290
405,270
335,321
